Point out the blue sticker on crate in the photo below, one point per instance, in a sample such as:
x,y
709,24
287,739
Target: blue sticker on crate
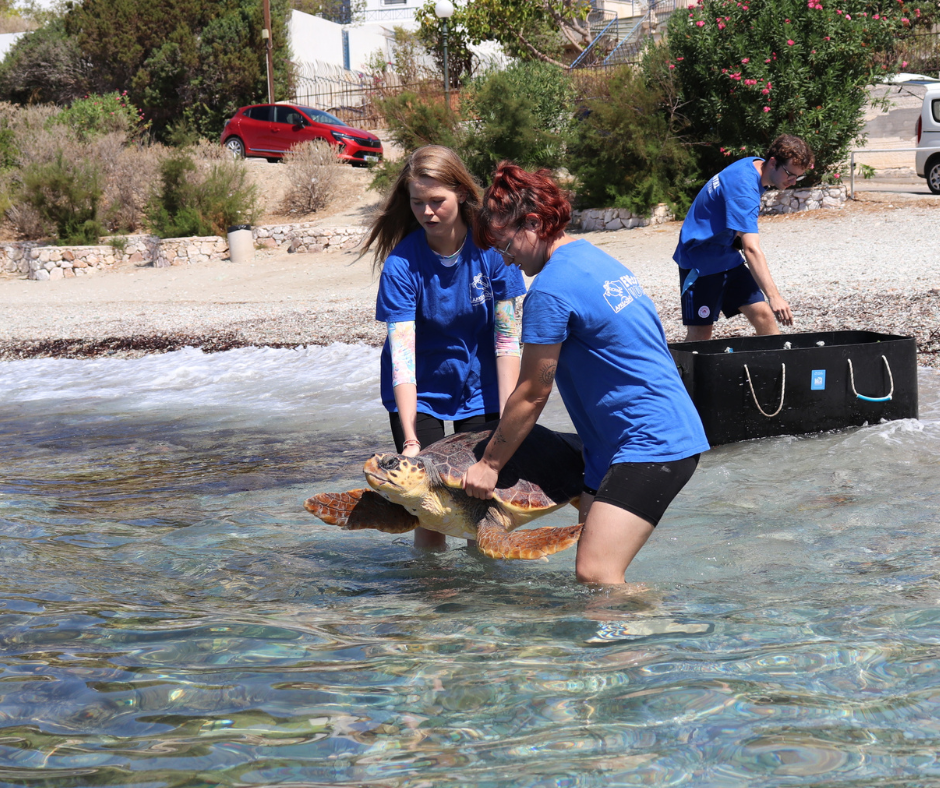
x,y
818,383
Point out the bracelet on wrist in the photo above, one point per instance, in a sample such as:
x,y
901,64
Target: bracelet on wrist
x,y
412,442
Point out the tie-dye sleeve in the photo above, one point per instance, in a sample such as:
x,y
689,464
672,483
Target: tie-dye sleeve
x,y
401,342
507,329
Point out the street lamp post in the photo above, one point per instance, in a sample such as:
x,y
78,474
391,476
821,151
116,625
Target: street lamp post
x,y
444,10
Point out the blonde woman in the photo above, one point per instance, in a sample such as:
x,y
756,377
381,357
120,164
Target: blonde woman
x,y
452,351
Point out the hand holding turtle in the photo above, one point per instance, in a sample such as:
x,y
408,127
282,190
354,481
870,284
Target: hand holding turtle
x,y
480,480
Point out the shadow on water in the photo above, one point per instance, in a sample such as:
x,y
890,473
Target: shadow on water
x,y
170,615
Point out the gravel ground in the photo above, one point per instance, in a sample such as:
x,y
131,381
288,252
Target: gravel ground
x,y
871,265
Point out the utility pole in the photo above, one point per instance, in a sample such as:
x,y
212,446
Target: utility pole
x,y
269,49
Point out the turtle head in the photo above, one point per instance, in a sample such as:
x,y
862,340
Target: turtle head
x,y
404,480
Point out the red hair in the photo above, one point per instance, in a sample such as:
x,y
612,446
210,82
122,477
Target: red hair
x,y
515,195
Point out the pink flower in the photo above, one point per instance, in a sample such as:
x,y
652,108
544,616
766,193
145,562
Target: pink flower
x,y
837,175
876,16
721,25
671,65
722,150
767,60
827,38
680,58
818,7
765,91
847,16
750,81
790,42
905,21
746,60
904,64
838,12
700,23
786,21
917,12
766,109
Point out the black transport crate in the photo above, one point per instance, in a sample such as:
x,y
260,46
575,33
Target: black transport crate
x,y
789,384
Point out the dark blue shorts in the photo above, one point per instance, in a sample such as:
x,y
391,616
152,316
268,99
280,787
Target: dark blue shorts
x,y
726,292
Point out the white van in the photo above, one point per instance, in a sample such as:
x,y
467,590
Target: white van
x,y
927,158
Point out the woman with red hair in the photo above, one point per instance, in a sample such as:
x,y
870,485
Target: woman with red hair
x,y
588,325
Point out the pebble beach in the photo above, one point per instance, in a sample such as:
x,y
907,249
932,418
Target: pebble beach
x,y
870,265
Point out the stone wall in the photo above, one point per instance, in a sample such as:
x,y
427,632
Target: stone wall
x,y
618,218
809,199
773,202
308,237
41,261
56,262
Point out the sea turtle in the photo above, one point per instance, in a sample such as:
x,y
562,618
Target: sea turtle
x,y
544,474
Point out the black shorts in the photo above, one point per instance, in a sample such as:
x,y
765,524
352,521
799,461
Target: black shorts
x,y
645,488
724,292
429,429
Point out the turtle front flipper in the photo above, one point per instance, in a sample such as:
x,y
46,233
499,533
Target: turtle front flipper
x,y
532,543
362,508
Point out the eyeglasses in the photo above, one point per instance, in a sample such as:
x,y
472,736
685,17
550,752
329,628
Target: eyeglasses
x,y
508,256
797,178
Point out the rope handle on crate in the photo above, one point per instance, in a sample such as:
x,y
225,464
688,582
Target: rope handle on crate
x,y
783,387
872,399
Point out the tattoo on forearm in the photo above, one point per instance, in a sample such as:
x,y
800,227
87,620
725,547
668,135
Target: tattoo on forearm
x,y
498,436
547,373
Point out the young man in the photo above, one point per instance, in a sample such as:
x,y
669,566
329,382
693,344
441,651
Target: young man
x,y
721,226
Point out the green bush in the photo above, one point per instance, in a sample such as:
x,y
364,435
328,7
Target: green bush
x,y
103,114
200,201
627,150
66,192
522,113
417,119
752,70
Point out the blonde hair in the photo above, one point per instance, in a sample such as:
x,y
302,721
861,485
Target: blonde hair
x,y
396,218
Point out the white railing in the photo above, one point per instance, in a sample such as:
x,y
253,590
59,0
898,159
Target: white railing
x,y
877,150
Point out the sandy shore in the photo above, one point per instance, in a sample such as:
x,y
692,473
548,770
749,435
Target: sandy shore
x,y
872,266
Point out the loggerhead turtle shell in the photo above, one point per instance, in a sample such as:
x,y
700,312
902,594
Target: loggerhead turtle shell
x,y
546,471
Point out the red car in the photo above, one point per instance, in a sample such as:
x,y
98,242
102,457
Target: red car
x,y
268,130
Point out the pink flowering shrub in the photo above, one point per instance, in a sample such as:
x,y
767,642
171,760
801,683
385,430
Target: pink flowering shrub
x,y
747,73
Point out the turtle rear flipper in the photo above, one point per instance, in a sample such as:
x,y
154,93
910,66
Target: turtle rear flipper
x,y
531,543
362,508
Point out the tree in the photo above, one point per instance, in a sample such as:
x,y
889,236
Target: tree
x,y
45,66
628,148
527,29
751,71
190,60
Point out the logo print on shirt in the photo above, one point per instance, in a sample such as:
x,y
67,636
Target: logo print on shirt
x,y
704,311
480,289
622,292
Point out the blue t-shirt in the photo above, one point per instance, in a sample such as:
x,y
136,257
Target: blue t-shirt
x,y
615,373
728,204
454,310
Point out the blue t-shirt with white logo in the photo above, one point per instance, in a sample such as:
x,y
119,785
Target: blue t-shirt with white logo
x,y
615,373
728,204
454,310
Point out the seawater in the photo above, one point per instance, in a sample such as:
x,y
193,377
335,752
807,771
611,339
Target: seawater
x,y
171,616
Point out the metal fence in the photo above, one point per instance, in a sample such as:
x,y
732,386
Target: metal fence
x,y
356,104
